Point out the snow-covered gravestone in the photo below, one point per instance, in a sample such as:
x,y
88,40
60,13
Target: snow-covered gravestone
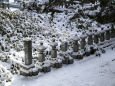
x,y
83,42
102,35
107,34
96,37
28,69
76,54
41,50
90,38
43,66
90,49
112,31
67,59
56,62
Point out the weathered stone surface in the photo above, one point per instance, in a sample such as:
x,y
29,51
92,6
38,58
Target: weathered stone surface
x,y
75,45
96,37
41,55
112,32
83,42
107,34
90,38
54,49
28,69
67,59
102,36
28,52
64,46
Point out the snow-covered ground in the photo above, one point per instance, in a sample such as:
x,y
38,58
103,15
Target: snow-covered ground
x,y
91,71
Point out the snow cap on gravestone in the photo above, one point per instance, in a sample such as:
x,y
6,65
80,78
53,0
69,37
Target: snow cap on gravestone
x,y
27,39
41,47
83,35
76,37
54,43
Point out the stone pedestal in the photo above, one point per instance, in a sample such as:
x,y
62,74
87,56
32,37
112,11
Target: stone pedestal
x,y
28,69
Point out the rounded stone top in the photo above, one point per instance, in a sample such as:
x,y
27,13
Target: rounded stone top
x,y
41,47
53,40
54,44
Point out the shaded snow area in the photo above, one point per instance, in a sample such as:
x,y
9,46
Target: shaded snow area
x,y
91,71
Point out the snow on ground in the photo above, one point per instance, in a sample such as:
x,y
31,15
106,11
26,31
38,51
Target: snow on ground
x,y
91,71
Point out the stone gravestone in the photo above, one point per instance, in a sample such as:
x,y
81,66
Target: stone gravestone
x,y
107,34
67,59
83,42
102,35
44,67
96,37
41,49
28,52
56,62
112,31
90,49
76,53
90,38
28,69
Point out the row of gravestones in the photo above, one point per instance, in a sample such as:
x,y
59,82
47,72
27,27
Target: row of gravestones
x,y
81,47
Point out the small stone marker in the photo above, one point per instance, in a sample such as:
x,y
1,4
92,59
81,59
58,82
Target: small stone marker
x,y
107,34
83,42
96,37
45,67
90,38
112,31
41,50
54,49
28,52
102,36
57,62
76,54
67,58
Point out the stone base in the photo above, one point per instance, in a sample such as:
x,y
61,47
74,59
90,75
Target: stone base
x,y
30,72
77,55
57,65
87,53
45,69
92,51
68,61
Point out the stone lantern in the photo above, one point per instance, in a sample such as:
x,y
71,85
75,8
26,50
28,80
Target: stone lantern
x,y
112,31
76,53
45,66
67,59
41,49
96,37
102,35
107,34
56,61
